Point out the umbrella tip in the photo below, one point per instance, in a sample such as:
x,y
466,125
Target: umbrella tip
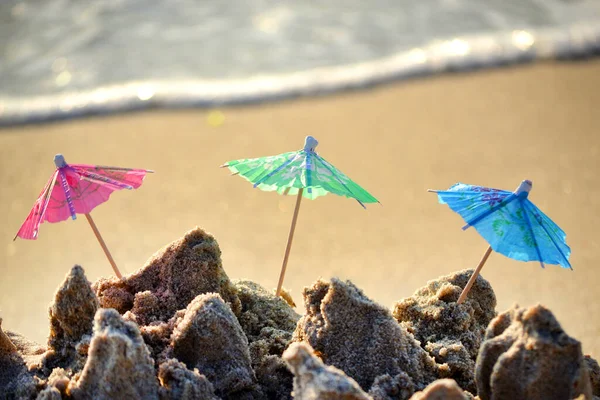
x,y
524,187
310,143
361,204
59,161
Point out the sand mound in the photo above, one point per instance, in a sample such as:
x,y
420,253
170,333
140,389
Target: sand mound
x,y
171,278
451,333
527,355
71,321
315,380
118,363
358,336
178,328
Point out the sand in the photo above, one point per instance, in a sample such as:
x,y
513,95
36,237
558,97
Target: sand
x,y
493,128
254,346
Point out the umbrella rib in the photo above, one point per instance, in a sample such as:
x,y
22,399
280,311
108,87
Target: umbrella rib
x,y
339,180
95,178
101,182
117,168
308,172
246,175
512,197
535,243
67,190
270,174
555,245
47,197
460,192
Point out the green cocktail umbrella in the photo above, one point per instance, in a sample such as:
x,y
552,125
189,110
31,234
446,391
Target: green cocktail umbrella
x,y
303,173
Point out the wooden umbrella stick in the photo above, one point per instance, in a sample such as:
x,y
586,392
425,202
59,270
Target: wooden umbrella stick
x,y
465,291
289,242
103,245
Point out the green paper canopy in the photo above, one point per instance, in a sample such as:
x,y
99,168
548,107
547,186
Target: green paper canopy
x,y
304,169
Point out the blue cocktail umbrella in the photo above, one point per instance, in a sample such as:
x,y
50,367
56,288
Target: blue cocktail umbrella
x,y
510,223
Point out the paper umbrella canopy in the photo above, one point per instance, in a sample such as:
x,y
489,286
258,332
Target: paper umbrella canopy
x,y
292,172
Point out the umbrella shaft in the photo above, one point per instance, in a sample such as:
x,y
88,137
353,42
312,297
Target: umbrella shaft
x,y
103,245
467,288
289,242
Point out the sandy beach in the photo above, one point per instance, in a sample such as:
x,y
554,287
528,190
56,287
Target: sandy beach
x,y
492,128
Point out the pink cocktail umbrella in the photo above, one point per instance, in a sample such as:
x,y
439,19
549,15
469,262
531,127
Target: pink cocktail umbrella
x,y
76,189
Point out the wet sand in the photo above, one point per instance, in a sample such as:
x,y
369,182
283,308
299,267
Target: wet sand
x,y
493,128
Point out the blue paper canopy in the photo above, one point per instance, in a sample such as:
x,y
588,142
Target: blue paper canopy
x,y
509,222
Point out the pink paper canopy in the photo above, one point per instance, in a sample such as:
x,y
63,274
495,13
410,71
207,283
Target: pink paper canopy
x,y
77,189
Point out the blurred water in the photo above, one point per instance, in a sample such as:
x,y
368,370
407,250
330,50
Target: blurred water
x,y
65,57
